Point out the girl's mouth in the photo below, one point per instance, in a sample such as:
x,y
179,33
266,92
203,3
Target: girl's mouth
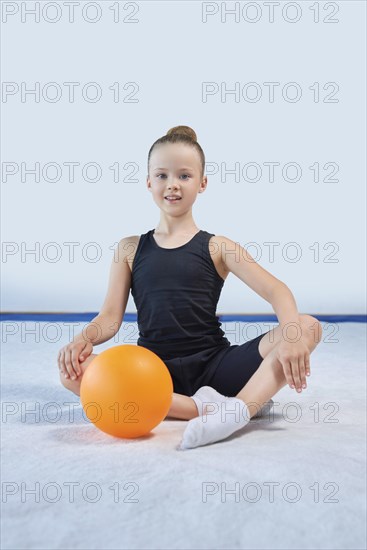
x,y
168,199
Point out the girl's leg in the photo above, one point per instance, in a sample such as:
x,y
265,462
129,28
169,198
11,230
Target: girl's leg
x,y
74,385
223,419
237,411
182,406
269,378
263,384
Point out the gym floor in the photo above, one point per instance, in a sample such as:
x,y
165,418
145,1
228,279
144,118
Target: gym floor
x,y
293,480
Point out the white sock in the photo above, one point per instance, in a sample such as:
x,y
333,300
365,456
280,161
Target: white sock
x,y
207,394
221,420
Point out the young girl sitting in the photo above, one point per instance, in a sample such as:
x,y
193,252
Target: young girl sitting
x,y
176,273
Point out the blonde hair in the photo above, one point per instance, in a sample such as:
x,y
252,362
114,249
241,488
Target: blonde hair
x,y
180,134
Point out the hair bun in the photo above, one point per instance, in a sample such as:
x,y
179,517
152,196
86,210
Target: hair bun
x,y
186,130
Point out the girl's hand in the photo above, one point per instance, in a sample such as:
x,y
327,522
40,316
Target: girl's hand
x,y
70,356
295,360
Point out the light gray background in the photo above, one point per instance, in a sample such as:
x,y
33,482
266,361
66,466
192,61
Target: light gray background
x,y
169,53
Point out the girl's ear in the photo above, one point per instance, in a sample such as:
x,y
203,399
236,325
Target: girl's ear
x,y
204,184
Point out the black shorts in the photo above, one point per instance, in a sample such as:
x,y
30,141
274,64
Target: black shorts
x,y
227,369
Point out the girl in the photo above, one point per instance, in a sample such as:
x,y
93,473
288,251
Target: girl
x,y
176,273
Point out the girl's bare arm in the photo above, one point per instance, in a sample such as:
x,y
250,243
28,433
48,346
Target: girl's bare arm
x,y
107,323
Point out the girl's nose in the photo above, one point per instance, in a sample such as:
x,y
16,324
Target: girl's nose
x,y
172,184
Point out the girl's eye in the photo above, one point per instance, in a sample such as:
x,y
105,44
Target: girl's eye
x,y
158,175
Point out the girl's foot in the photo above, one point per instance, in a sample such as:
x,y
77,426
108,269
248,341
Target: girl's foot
x,y
220,421
206,396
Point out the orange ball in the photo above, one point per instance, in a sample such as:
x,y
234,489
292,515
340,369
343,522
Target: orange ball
x,y
126,391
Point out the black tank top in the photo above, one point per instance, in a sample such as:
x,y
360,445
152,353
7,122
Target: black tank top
x,y
176,291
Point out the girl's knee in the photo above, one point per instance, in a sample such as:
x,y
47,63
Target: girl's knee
x,y
83,367
311,329
72,385
84,364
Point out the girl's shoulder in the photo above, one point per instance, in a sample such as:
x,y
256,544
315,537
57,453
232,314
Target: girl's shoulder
x,y
217,247
127,248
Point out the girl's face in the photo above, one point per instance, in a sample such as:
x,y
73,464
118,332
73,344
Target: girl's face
x,y
174,170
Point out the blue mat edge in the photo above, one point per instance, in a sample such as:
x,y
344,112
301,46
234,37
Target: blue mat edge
x,y
132,317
